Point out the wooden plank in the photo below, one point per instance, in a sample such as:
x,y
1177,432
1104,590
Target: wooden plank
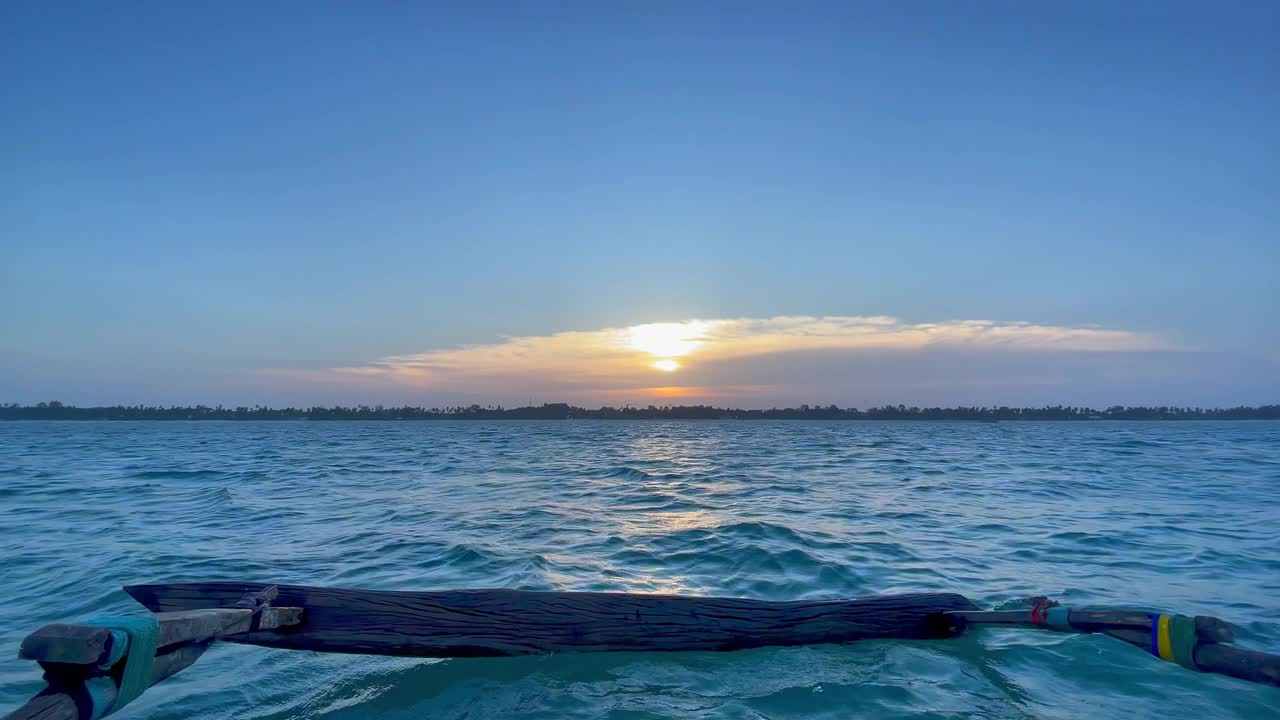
x,y
281,617
47,706
470,623
187,625
87,645
61,643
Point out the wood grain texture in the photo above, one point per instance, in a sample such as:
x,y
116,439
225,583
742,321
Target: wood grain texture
x,y
474,623
47,706
199,625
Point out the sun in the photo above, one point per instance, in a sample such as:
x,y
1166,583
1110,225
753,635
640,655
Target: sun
x,y
664,342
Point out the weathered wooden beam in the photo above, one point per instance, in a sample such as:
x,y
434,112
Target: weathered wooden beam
x,y
69,652
1082,620
1208,629
70,701
89,645
1221,658
280,617
189,625
48,705
62,643
468,623
1239,662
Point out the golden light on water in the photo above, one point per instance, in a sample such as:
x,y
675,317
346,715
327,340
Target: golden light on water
x,y
667,365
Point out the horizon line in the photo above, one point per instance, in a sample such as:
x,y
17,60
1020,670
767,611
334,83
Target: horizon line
x,y
56,410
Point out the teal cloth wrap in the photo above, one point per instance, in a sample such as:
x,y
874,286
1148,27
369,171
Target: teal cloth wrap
x,y
1058,618
144,636
98,689
119,646
1183,640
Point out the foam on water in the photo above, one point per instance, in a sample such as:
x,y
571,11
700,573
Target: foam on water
x,y
1180,516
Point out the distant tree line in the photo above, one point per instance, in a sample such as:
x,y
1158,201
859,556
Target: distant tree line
x,y
562,411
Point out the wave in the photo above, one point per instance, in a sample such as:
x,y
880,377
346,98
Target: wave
x,y
1183,516
627,473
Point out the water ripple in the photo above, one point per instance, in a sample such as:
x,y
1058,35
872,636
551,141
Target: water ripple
x,y
1184,516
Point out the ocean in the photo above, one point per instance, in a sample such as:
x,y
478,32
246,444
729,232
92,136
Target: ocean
x,y
1179,516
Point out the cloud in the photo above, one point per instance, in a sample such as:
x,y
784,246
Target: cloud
x,y
683,359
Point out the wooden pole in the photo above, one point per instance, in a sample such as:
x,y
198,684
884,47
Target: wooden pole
x,y
1220,658
1214,652
470,623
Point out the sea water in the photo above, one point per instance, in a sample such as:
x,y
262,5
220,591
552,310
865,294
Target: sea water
x,y
1181,516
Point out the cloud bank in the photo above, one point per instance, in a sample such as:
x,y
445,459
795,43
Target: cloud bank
x,y
725,360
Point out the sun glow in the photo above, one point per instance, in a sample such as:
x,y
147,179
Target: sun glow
x,y
619,364
666,340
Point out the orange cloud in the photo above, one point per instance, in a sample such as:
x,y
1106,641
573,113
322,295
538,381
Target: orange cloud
x,y
681,391
621,362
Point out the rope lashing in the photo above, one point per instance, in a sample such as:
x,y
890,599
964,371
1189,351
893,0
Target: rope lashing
x,y
1173,639
143,637
1050,613
1040,606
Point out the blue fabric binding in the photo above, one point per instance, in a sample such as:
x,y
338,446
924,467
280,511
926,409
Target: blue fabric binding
x,y
144,636
1058,618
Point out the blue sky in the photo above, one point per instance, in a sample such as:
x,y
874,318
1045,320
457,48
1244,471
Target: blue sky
x,y
224,204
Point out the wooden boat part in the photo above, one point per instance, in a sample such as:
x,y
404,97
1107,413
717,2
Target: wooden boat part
x,y
83,668
471,623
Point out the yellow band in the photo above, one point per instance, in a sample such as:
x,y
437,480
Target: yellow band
x,y
1162,639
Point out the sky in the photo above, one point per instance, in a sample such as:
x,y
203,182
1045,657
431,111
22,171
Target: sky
x,y
931,203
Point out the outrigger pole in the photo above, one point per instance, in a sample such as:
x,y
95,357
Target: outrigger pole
x,y
1200,643
97,667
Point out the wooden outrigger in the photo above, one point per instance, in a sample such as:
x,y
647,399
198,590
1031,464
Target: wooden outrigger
x,y
96,668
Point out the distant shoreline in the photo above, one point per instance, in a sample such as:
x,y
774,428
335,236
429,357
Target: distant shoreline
x,y
563,411
622,419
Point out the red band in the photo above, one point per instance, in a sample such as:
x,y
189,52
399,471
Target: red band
x,y
1040,609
